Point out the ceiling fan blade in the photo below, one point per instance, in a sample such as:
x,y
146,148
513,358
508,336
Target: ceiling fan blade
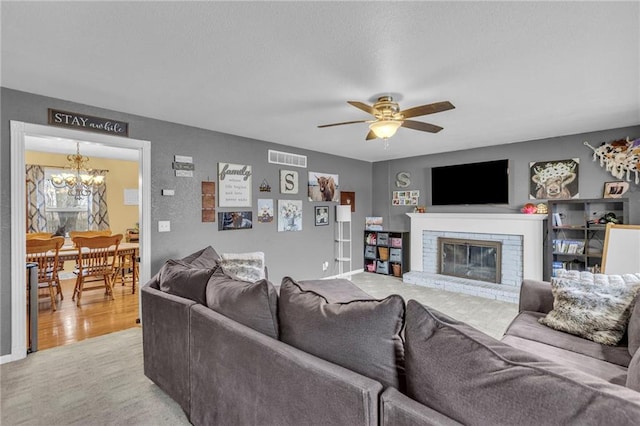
x,y
427,109
370,135
340,124
419,125
362,106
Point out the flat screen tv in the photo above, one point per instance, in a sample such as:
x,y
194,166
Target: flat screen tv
x,y
474,183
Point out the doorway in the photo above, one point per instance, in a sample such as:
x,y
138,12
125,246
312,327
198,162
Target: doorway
x,y
19,133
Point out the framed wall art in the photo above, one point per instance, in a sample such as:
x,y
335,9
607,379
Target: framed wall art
x,y
265,210
288,182
322,215
405,198
348,198
289,215
234,220
554,180
323,187
234,185
615,189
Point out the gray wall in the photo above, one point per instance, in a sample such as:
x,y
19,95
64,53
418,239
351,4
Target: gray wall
x,y
297,254
591,175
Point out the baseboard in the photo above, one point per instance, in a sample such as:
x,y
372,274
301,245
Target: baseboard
x,y
9,358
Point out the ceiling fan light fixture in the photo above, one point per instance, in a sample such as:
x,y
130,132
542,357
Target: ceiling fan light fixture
x,y
384,129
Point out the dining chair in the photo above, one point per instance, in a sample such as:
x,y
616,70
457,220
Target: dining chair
x,y
104,232
96,259
45,253
40,235
125,271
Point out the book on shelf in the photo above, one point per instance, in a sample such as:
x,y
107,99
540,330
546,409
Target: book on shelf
x,y
568,246
557,219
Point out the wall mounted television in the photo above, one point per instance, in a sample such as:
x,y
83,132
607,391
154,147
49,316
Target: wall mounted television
x,y
473,183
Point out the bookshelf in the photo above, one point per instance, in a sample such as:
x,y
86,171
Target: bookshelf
x,y
576,232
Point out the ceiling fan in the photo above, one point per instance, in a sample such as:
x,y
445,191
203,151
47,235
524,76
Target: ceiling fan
x,y
389,117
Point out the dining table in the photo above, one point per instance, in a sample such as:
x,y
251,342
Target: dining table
x,y
70,253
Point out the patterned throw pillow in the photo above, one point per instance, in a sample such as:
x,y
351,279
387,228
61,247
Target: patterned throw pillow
x,y
593,306
244,266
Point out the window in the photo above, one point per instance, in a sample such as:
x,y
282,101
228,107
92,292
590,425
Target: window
x,y
63,211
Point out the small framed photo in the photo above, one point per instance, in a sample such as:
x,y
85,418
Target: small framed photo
x,y
322,215
615,189
235,220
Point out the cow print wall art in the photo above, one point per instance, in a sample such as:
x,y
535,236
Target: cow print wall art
x,y
554,180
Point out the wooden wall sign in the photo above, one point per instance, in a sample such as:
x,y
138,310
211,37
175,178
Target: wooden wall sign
x,y
87,122
208,201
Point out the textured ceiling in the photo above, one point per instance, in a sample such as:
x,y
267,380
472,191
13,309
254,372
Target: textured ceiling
x,y
273,71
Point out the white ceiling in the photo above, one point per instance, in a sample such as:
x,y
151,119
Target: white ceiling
x,y
273,71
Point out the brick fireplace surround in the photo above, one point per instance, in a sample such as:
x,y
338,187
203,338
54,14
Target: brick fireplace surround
x,y
524,228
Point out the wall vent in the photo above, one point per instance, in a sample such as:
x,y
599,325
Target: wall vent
x,y
287,159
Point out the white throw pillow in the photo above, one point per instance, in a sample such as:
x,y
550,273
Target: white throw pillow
x,y
244,266
593,306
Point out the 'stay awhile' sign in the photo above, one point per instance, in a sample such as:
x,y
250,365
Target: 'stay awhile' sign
x,y
87,122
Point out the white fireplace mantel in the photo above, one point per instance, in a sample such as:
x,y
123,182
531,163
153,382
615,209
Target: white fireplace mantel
x,y
530,226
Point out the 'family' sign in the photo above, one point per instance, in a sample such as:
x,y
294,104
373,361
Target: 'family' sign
x,y
87,122
234,185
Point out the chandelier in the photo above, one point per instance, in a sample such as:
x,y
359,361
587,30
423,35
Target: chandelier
x,y
80,180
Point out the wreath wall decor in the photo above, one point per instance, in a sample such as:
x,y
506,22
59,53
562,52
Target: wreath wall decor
x,y
621,158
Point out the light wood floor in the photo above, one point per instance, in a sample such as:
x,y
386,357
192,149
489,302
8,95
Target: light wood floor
x,y
97,315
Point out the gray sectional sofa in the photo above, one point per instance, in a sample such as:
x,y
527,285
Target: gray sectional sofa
x,y
611,363
232,352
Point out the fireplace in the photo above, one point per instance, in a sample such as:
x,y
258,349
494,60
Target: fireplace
x,y
521,237
471,259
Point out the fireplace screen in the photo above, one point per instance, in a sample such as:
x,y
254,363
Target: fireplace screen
x,y
472,259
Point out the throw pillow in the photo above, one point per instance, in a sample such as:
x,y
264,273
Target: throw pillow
x,y
244,266
252,304
184,280
205,258
476,379
593,306
361,335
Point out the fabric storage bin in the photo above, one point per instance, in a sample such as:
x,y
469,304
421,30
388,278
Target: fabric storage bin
x,y
382,267
395,255
396,242
383,239
371,267
397,269
383,253
369,252
370,239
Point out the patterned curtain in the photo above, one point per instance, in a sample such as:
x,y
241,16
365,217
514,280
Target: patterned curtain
x,y
98,214
36,219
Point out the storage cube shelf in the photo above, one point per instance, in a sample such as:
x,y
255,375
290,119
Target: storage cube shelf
x,y
386,252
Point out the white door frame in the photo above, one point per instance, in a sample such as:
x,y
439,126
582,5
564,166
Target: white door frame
x,y
19,131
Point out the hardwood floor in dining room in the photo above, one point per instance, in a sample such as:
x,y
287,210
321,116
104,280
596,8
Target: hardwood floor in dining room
x,y
97,314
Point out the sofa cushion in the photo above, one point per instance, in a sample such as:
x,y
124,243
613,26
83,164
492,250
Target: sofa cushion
x,y
244,266
362,335
594,306
612,373
205,258
527,326
633,330
184,280
253,304
633,374
475,379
